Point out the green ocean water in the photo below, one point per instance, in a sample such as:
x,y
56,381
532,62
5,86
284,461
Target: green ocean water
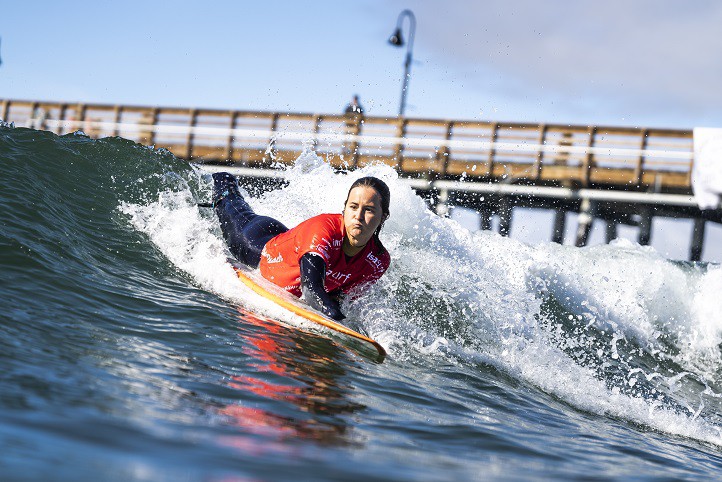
x,y
129,352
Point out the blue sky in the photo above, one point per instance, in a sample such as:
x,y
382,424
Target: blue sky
x,y
647,63
652,63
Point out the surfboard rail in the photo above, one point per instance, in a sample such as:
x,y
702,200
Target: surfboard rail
x,y
315,317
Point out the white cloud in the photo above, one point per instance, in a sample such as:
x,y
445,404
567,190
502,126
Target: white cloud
x,y
642,56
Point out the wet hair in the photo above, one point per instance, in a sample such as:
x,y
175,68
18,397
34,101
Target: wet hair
x,y
384,193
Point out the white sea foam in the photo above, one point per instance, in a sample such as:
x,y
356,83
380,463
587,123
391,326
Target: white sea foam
x,y
479,296
189,240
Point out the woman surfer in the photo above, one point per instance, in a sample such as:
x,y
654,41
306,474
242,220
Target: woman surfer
x,y
320,258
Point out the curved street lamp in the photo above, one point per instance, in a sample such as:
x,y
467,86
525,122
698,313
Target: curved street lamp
x,y
397,40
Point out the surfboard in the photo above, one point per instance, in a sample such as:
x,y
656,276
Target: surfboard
x,y
286,300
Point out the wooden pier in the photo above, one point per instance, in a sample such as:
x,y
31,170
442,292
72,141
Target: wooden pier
x,y
621,175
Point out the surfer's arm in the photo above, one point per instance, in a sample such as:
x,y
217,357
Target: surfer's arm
x,y
313,272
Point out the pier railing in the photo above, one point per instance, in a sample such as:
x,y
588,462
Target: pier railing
x,y
636,159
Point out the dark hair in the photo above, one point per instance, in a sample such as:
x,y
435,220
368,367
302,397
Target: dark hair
x,y
384,193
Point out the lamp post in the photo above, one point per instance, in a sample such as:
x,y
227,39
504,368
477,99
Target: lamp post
x,y
397,40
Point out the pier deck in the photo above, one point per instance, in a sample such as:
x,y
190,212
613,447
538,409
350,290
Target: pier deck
x,y
622,175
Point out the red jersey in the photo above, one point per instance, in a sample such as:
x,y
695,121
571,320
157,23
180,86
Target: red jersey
x,y
322,235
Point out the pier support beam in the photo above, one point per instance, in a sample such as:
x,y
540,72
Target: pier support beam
x,y
504,216
695,250
485,220
585,220
484,207
645,227
611,231
560,222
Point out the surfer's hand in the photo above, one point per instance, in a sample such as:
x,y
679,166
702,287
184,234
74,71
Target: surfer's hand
x,y
333,312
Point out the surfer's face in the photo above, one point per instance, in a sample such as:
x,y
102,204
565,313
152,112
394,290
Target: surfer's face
x,y
362,215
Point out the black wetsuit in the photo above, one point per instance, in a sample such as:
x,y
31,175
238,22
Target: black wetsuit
x,y
247,233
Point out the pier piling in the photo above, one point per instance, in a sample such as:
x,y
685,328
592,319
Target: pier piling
x,y
505,213
611,231
584,223
560,224
484,219
695,251
645,226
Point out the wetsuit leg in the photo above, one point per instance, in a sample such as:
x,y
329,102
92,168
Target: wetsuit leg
x,y
245,231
